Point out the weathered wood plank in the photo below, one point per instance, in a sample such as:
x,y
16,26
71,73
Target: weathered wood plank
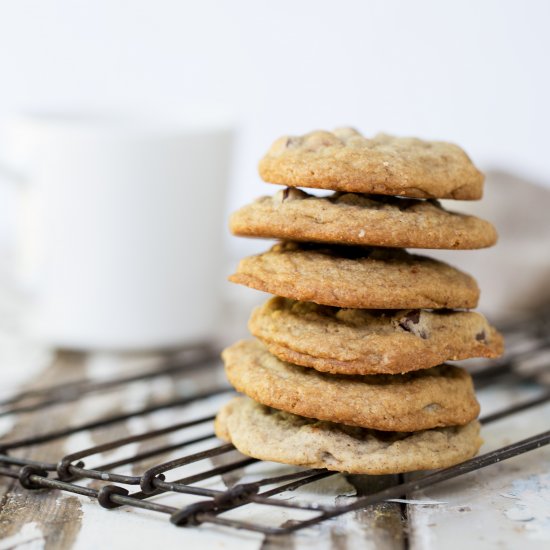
x,y
496,506
42,514
506,505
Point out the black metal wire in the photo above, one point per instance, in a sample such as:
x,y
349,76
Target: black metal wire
x,y
70,430
70,474
70,391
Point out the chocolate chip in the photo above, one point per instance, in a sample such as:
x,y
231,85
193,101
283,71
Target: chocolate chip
x,y
434,202
405,204
481,336
409,321
352,252
412,317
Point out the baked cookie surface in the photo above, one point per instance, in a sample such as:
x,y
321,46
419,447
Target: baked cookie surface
x,y
429,398
357,341
268,434
345,160
357,277
368,220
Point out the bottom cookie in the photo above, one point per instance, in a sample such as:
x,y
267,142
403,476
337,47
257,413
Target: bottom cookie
x,y
268,434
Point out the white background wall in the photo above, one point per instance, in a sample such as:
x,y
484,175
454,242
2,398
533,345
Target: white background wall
x,y
472,71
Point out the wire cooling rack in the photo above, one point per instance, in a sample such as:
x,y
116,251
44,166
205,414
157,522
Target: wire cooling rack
x,y
527,363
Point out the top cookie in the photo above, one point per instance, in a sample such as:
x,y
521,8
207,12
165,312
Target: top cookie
x,y
345,160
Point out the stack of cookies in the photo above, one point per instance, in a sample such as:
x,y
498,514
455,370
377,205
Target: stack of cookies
x,y
347,369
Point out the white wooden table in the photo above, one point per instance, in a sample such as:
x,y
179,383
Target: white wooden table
x,y
502,506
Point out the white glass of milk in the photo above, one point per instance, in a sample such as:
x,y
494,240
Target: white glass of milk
x,y
121,225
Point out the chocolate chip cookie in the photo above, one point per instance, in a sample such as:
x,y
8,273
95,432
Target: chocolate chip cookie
x,y
345,160
352,218
357,277
269,434
359,341
428,398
